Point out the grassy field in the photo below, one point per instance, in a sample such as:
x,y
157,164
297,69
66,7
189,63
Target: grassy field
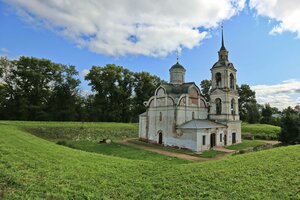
x,y
31,167
261,131
123,151
78,131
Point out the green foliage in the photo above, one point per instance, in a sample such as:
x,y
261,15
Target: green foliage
x,y
205,89
33,168
144,87
120,93
266,114
38,89
261,131
290,130
247,102
245,144
252,114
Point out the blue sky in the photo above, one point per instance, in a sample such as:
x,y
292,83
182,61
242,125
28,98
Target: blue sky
x,y
263,44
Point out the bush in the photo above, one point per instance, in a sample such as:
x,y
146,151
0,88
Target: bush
x,y
290,132
61,142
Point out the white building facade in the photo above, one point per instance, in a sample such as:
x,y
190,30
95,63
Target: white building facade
x,y
179,116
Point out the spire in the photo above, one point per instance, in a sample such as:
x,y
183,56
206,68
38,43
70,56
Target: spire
x,y
177,56
223,46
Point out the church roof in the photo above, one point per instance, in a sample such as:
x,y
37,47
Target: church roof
x,y
177,66
223,63
177,90
200,124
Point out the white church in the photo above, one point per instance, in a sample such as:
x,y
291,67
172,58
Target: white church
x,y
178,115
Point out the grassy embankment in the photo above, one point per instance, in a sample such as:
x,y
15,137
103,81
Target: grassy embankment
x,y
261,131
31,167
86,136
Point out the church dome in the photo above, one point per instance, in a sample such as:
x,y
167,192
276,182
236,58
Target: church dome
x,y
177,66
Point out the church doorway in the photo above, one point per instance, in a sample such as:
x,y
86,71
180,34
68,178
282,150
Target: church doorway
x,y
233,138
225,139
160,137
212,140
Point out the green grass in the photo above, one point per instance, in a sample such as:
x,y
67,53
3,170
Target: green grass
x,y
211,153
78,131
245,144
34,168
261,131
123,151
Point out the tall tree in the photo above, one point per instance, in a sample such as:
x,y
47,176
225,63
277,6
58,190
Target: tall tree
x,y
246,98
205,88
253,114
113,87
266,114
144,87
65,100
290,128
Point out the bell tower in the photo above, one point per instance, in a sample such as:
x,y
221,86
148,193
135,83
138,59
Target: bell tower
x,y
224,95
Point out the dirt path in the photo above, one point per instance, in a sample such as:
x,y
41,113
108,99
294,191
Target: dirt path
x,y
273,142
220,148
173,154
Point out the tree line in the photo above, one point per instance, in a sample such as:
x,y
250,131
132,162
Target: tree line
x,y
38,89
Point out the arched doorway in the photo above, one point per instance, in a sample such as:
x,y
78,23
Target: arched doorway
x,y
225,139
233,138
212,140
160,137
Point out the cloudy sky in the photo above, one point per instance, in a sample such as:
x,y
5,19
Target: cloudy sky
x,y
262,36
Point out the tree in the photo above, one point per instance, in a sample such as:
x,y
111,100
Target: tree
x,y
65,101
37,89
253,114
290,128
266,114
113,86
246,100
144,87
205,88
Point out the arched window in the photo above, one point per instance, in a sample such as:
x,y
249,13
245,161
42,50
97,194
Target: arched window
x,y
232,106
160,116
193,115
231,81
218,79
218,106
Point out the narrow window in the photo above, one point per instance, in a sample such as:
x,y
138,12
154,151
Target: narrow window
x,y
218,106
231,81
193,115
218,79
160,116
203,140
232,106
221,136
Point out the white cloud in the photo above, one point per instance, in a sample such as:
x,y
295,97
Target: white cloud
x,y
113,27
285,12
85,92
4,50
85,72
280,95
